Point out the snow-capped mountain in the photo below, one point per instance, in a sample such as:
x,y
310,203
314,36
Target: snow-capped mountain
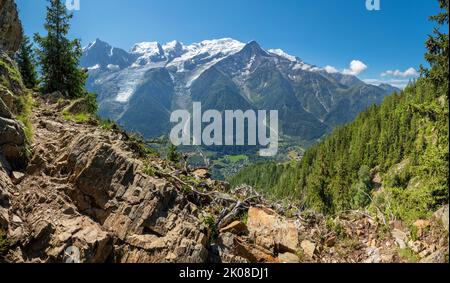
x,y
141,87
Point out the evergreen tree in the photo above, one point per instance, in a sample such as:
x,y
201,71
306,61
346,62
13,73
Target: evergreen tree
x,y
438,49
26,62
59,56
362,189
172,153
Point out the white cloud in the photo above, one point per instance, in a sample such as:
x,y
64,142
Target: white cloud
x,y
331,69
356,68
409,73
399,83
113,67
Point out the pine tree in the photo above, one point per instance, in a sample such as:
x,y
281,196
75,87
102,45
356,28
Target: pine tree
x,y
59,56
26,62
438,48
172,153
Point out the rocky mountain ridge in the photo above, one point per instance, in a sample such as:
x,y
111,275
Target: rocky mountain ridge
x,y
143,86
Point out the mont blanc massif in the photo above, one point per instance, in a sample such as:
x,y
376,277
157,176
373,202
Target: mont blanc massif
x,y
139,89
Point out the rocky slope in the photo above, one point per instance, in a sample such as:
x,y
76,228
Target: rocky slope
x,y
12,91
10,27
86,189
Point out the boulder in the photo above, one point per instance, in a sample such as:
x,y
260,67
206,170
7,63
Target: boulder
x,y
4,110
11,132
253,253
233,249
309,248
442,215
236,227
374,256
272,231
7,97
436,257
201,173
12,142
400,238
226,251
288,258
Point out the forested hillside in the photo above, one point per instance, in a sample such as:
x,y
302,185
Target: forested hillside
x,y
393,158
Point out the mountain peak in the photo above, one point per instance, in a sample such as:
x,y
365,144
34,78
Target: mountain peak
x,y
254,47
174,44
225,45
98,43
147,47
283,54
253,43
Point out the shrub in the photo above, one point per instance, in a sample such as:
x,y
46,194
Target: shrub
x,y
4,243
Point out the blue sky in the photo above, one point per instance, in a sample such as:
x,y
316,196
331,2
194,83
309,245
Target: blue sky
x,y
383,44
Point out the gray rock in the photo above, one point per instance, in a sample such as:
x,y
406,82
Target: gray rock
x,y
10,26
400,237
443,216
374,256
415,246
11,132
436,257
4,110
309,248
12,142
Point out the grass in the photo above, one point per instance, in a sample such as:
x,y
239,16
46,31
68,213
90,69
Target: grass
x,y
82,110
138,145
109,125
210,223
25,106
12,73
149,169
244,217
80,118
236,158
335,227
408,255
